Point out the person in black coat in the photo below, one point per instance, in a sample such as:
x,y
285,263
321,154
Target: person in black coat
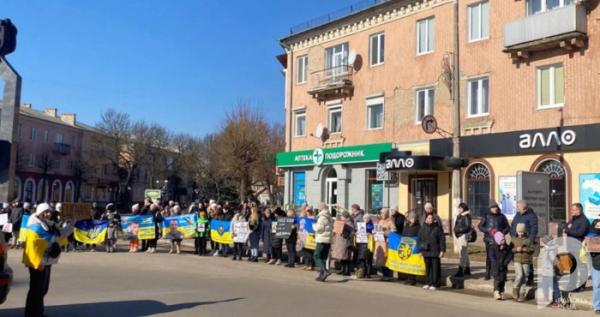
x,y
432,245
154,210
462,227
266,228
290,242
503,254
595,230
399,221
578,228
254,224
495,220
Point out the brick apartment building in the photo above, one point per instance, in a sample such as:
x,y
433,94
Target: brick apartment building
x,y
358,83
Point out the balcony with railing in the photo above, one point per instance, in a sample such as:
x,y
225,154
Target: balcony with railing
x,y
332,83
564,27
62,148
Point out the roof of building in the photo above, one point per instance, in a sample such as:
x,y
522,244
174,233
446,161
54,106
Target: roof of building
x,y
339,17
41,115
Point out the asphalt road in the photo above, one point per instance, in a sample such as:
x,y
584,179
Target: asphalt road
x,y
123,284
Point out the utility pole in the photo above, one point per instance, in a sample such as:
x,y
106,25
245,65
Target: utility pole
x,y
456,177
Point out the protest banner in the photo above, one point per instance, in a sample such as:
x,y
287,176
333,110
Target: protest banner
x,y
241,231
90,232
404,255
7,227
284,227
220,231
361,232
180,227
306,234
153,194
138,227
3,219
79,211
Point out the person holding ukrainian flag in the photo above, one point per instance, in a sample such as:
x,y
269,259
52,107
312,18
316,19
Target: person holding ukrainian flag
x,y
40,252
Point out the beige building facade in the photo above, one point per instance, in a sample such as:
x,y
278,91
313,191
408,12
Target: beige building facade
x,y
527,69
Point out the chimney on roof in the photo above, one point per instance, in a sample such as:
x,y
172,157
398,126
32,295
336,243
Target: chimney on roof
x,y
51,112
69,118
26,105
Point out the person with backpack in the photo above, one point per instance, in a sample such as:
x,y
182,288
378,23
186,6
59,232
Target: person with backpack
x,y
463,228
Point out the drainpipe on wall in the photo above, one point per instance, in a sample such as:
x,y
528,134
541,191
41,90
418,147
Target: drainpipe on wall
x,y
456,177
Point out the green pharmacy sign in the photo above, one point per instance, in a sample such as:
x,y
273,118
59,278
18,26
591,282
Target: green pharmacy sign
x,y
330,156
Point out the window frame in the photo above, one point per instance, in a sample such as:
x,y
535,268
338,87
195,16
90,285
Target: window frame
x,y
479,5
380,49
544,6
345,52
302,77
377,100
297,114
551,90
426,90
429,49
32,134
335,108
479,80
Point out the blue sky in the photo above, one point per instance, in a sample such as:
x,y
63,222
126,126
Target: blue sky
x,y
181,63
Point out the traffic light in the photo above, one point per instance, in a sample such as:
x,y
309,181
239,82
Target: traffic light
x,y
8,37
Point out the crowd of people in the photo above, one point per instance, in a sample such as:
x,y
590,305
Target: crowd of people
x,y
505,242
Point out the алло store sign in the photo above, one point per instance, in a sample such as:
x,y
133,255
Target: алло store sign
x,y
329,156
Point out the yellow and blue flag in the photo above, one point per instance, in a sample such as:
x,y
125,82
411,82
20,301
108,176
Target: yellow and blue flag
x,y
37,242
139,227
180,227
23,231
220,231
90,232
404,255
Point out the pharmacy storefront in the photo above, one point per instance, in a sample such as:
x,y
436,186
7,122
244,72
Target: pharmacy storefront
x,y
339,176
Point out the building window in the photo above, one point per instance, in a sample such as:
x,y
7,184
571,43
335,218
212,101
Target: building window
x,y
479,21
299,188
336,60
302,73
377,49
300,123
425,99
478,189
29,190
59,137
375,113
31,159
540,6
69,193
479,97
558,185
16,194
425,35
374,191
550,86
335,119
32,135
56,191
46,138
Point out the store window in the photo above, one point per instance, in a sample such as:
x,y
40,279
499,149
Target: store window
x,y
299,188
558,185
374,191
478,189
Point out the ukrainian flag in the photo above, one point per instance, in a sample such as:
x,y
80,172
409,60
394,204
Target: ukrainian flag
x,y
220,231
37,241
23,231
404,255
90,232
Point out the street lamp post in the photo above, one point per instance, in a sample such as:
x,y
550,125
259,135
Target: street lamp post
x,y
456,177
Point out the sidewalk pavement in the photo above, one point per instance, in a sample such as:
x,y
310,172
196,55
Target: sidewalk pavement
x,y
477,284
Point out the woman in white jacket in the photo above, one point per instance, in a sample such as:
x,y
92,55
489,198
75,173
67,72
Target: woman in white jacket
x,y
323,234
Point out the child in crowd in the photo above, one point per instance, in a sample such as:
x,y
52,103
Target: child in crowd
x,y
503,255
290,242
238,247
523,259
202,230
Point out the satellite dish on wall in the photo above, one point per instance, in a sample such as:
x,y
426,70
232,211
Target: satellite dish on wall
x,y
352,57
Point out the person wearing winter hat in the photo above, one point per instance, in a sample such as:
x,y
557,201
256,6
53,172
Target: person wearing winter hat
x,y
494,220
323,233
40,252
523,253
503,254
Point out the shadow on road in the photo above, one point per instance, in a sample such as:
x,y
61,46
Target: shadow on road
x,y
134,308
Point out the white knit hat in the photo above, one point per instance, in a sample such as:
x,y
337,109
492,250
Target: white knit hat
x,y
41,208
